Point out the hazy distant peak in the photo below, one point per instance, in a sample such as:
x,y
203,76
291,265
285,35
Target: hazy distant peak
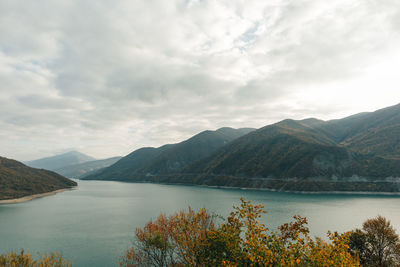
x,y
74,153
60,160
85,168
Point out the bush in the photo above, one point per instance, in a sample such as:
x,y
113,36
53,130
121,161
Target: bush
x,y
194,239
23,259
377,244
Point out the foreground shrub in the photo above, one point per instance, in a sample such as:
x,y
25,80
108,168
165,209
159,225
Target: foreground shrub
x,y
376,244
194,239
22,259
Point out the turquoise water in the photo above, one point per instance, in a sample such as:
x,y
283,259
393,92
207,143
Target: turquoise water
x,y
94,224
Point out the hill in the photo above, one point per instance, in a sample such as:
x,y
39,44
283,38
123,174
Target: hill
x,y
18,180
86,168
309,154
375,133
59,161
168,159
357,153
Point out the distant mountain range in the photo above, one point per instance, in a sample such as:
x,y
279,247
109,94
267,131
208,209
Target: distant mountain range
x,y
86,168
18,180
72,164
357,153
59,161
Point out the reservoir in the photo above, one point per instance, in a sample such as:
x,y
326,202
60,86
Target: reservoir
x,y
94,224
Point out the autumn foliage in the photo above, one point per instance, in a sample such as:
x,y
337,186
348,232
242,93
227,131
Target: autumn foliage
x,y
376,244
22,259
195,239
199,238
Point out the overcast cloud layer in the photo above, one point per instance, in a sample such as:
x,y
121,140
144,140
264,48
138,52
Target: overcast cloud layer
x,y
107,77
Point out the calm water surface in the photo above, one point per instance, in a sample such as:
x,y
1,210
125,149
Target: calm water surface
x,y
94,224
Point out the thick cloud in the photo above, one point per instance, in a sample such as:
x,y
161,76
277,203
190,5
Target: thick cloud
x,y
106,77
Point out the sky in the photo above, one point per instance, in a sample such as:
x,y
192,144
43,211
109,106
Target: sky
x,y
108,77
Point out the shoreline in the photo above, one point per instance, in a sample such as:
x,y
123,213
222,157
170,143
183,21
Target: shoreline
x,y
309,192
35,196
373,193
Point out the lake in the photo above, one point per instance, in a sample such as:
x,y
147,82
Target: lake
x,y
94,224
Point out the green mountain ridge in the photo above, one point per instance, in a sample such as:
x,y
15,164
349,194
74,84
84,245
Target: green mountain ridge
x,y
356,153
18,180
170,158
276,153
375,133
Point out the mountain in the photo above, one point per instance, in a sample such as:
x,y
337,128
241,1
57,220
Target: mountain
x,y
375,133
18,180
280,152
168,159
86,168
127,166
299,155
357,153
59,161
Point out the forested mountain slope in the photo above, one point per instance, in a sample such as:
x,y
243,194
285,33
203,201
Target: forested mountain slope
x,y
18,180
